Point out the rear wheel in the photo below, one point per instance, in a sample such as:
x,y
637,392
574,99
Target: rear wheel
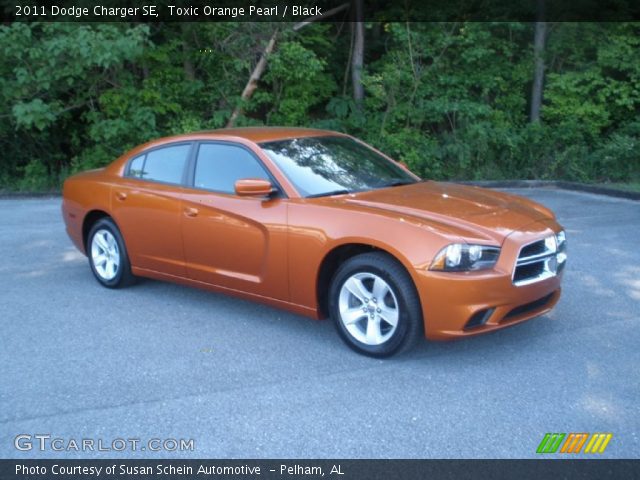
x,y
108,255
375,306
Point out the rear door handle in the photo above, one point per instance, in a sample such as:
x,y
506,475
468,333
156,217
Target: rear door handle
x,y
121,196
191,212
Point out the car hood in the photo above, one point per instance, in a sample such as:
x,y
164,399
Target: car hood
x,y
458,209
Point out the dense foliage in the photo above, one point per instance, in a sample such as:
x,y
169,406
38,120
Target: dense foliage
x,y
451,100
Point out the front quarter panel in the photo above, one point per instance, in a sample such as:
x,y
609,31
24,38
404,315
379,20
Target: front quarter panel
x,y
316,228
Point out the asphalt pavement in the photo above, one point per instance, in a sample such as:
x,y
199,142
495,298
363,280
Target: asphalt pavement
x,y
160,361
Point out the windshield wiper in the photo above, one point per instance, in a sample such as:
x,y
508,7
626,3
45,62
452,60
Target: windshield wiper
x,y
341,191
397,183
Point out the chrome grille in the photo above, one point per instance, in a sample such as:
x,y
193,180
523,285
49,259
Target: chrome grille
x,y
534,248
540,260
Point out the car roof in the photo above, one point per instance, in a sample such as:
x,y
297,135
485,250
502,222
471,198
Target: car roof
x,y
251,134
268,134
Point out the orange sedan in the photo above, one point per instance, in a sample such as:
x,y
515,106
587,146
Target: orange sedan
x,y
319,223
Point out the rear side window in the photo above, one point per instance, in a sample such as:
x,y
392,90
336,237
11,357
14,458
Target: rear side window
x,y
161,165
136,167
219,166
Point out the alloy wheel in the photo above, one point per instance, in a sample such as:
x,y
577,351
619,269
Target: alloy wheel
x,y
368,308
105,254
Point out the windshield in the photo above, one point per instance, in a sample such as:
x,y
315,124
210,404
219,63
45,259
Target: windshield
x,y
319,166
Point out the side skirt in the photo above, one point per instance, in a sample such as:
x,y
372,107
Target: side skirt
x,y
292,307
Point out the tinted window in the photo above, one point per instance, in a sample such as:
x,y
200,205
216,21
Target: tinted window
x,y
326,165
218,166
136,166
166,164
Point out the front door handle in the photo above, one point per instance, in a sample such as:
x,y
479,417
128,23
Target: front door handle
x,y
191,212
121,196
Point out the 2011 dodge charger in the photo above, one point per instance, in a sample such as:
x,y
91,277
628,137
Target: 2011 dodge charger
x,y
319,223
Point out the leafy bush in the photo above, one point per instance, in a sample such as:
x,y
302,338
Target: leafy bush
x,y
35,177
450,100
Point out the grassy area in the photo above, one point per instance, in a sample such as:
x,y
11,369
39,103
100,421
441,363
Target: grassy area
x,y
627,187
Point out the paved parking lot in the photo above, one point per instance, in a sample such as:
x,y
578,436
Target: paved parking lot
x,y
244,380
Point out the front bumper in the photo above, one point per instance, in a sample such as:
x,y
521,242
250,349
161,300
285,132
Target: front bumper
x,y
465,304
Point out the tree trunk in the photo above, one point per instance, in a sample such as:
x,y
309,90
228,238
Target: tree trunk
x,y
252,84
539,43
357,60
325,15
189,70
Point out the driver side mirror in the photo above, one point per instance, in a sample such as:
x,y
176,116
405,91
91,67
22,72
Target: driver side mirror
x,y
254,187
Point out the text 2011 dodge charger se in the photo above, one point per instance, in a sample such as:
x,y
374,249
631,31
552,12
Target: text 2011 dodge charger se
x,y
321,224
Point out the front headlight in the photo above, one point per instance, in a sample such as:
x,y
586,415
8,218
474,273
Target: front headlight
x,y
461,257
561,240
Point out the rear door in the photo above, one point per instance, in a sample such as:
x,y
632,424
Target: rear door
x,y
147,206
232,241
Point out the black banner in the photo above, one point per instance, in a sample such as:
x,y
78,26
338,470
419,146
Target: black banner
x,y
319,10
328,469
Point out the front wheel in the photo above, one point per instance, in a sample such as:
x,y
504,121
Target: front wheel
x,y
375,306
108,255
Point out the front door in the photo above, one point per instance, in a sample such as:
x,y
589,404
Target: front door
x,y
232,241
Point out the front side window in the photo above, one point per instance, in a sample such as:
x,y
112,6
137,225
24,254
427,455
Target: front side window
x,y
219,166
161,165
327,165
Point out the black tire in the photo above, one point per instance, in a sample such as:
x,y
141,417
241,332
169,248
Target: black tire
x,y
408,313
123,276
